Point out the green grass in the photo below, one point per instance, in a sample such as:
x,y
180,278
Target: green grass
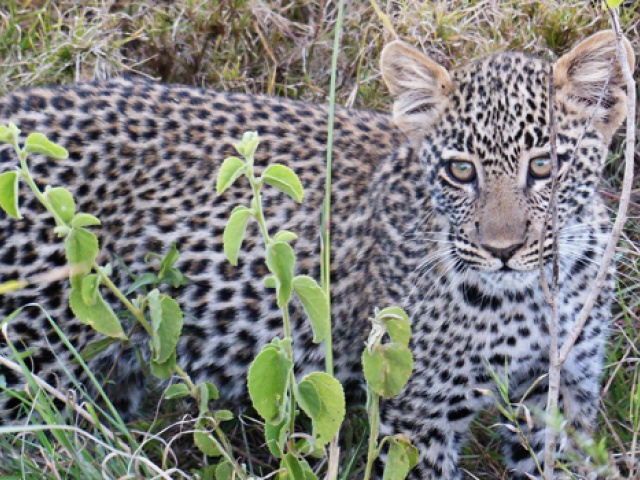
x,y
284,48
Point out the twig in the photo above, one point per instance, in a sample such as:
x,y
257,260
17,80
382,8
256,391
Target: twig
x,y
625,196
557,359
552,294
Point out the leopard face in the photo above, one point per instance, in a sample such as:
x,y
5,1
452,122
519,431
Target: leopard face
x,y
483,134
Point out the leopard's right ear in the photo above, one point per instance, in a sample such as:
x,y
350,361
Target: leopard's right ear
x,y
420,88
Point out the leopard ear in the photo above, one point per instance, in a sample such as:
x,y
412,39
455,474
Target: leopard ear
x,y
420,88
580,77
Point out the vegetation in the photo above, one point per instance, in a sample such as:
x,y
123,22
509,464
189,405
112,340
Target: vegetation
x,y
285,48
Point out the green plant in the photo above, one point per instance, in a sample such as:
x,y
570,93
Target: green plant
x,y
159,315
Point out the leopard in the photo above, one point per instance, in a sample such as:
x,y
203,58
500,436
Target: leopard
x,y
440,207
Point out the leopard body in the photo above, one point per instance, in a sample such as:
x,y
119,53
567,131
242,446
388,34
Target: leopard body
x,y
461,256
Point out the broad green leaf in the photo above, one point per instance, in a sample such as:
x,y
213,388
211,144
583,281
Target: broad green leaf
x,y
285,180
248,145
614,3
145,279
223,415
270,282
206,444
268,381
280,261
285,236
179,390
84,220
166,322
9,183
89,289
316,305
12,286
397,323
232,168
82,248
94,349
224,471
276,436
39,143
62,203
323,401
163,371
308,398
234,233
402,457
387,368
98,316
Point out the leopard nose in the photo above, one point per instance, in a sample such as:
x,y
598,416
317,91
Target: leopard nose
x,y
503,253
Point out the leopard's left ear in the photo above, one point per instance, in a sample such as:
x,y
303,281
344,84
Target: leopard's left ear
x,y
580,77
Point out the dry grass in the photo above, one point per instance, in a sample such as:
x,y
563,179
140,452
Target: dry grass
x,y
283,47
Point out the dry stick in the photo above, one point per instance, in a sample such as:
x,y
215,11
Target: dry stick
x,y
624,196
557,361
552,294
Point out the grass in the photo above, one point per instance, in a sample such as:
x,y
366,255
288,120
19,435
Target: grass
x,y
284,48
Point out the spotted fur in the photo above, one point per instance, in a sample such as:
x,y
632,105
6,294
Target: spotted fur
x,y
462,257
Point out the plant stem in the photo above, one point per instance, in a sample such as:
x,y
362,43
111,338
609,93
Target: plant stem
x,y
325,265
373,412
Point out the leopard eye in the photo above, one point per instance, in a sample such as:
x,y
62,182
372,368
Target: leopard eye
x,y
462,171
540,168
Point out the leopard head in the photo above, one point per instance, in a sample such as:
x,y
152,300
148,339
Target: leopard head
x,y
483,137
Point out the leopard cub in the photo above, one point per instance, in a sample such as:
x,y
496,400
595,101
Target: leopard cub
x,y
440,208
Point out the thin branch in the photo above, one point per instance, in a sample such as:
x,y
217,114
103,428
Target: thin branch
x,y
625,196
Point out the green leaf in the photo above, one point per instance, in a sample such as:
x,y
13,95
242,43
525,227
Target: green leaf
x,y
62,203
224,471
166,322
293,468
322,398
397,323
285,180
223,415
168,261
84,220
94,349
39,143
9,187
206,443
402,457
163,371
98,316
285,236
9,133
145,279
270,282
234,233
614,3
179,390
231,169
89,289
248,145
280,261
212,391
81,247
316,305
387,368
268,381
276,436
